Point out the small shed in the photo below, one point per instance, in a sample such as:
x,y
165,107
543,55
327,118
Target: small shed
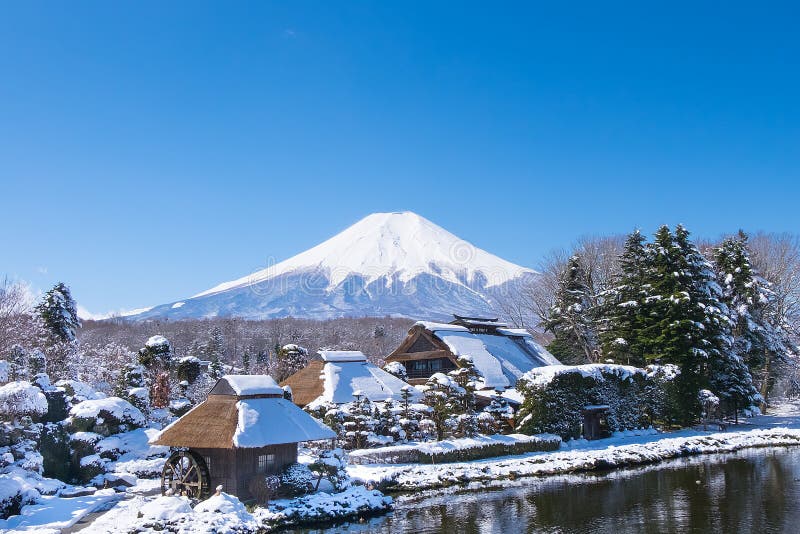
x,y
244,429
337,374
595,425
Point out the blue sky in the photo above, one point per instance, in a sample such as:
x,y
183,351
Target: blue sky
x,y
149,150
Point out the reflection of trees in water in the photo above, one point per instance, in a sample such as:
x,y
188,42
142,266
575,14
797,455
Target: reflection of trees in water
x,y
756,491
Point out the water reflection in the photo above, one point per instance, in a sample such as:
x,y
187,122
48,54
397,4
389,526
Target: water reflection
x,y
750,491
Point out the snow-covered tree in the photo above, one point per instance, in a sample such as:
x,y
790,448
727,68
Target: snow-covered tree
x,y
758,338
289,359
396,369
17,363
156,353
59,313
444,397
624,305
570,317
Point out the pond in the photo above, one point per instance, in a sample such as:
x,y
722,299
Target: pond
x,y
755,490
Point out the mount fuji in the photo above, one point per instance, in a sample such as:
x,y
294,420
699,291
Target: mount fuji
x,y
397,264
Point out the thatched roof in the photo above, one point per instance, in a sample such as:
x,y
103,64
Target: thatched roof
x,y
258,419
306,383
500,354
339,376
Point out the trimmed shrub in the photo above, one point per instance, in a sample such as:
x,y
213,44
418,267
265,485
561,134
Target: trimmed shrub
x,y
296,479
555,396
433,453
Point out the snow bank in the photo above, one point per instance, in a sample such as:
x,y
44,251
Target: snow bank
x,y
355,501
452,450
165,508
607,454
54,513
225,513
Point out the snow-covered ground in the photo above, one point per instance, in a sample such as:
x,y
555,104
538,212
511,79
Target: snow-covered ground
x,y
225,514
623,449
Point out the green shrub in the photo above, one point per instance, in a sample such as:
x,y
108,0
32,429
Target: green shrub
x,y
554,398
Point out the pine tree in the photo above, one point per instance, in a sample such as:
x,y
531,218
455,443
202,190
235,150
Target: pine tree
x,y
625,306
246,362
215,370
215,348
466,376
758,340
570,318
692,328
59,313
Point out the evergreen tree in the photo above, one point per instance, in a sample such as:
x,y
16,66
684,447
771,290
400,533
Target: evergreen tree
x,y
758,340
291,358
570,318
215,370
625,305
18,363
246,362
59,313
691,328
215,348
466,376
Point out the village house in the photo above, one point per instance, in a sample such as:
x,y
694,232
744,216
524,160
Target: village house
x,y
500,354
338,375
243,430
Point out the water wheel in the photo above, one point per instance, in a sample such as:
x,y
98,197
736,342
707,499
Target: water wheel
x,y
185,473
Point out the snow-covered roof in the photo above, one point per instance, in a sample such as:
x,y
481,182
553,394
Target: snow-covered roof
x,y
342,356
227,421
429,325
265,422
248,385
500,358
341,379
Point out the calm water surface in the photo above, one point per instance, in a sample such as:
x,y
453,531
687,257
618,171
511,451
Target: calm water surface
x,y
750,491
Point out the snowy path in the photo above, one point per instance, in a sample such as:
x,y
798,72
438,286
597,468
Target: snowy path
x,y
54,513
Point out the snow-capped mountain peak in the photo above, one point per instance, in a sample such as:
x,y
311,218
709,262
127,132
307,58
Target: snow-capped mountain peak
x,y
397,263
385,244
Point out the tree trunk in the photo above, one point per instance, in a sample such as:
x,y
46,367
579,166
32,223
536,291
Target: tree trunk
x,y
765,384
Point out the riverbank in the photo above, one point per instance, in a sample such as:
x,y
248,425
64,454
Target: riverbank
x,y
619,451
624,450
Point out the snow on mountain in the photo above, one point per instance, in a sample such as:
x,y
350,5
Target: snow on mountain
x,y
386,264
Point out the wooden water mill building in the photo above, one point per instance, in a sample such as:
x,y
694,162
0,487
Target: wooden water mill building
x,y
244,429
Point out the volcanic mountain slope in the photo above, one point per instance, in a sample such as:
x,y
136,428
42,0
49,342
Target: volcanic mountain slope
x,y
398,264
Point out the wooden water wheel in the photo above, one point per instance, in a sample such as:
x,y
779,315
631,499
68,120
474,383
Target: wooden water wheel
x,y
185,473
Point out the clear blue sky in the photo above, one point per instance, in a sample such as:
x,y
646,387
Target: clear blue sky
x,y
149,150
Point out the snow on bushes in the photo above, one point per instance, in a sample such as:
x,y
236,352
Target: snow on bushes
x,y
554,397
18,399
296,479
356,501
456,450
106,416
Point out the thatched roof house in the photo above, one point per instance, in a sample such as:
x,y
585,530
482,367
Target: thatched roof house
x,y
500,354
337,375
243,429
